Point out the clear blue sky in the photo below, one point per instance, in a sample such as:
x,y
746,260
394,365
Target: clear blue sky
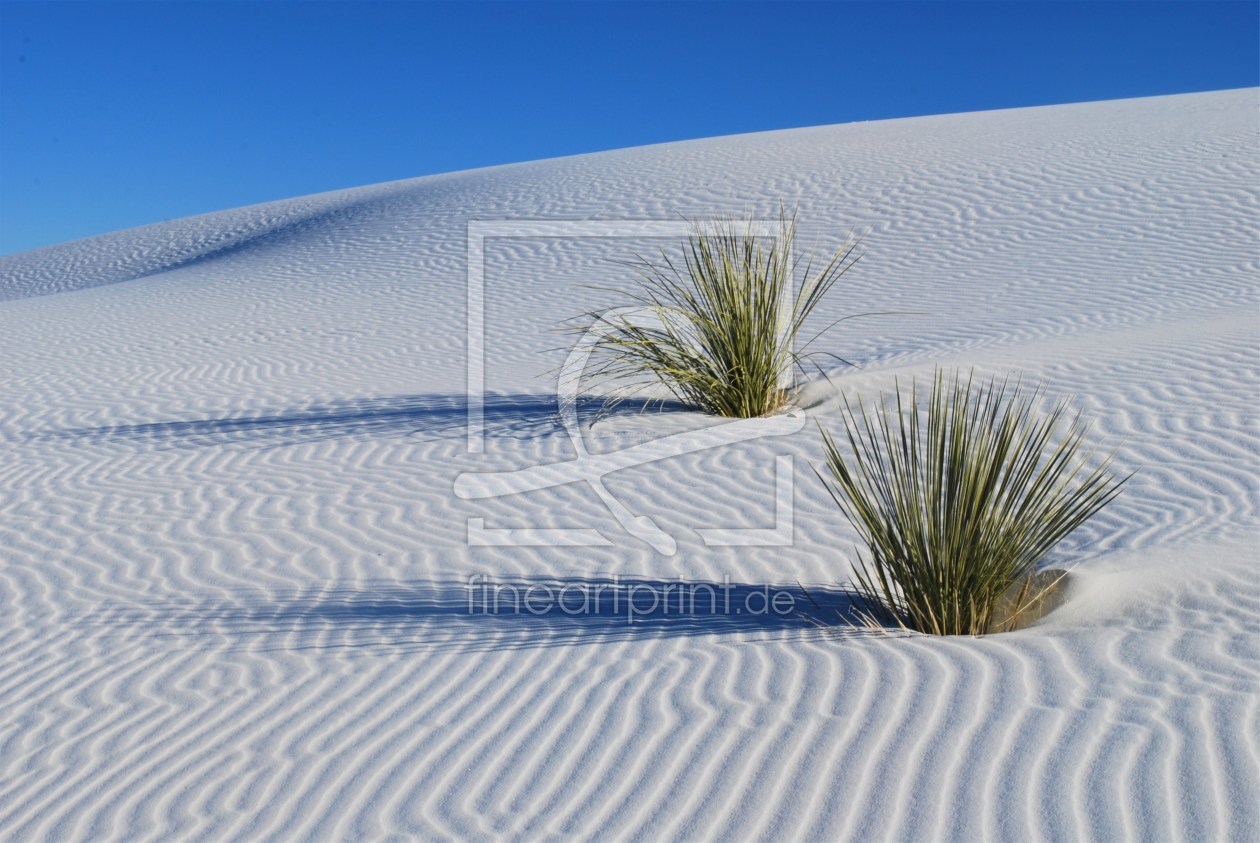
x,y
115,114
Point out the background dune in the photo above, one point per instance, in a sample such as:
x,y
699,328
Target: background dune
x,y
232,560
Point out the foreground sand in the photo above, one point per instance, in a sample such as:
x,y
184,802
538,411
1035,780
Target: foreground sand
x,y
232,562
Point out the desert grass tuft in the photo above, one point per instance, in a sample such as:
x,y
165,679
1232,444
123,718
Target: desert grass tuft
x,y
959,501
721,329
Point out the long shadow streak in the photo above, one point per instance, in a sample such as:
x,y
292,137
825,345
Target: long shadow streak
x,y
515,415
484,614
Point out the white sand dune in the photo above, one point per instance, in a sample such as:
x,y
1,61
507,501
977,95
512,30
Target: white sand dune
x,y
233,563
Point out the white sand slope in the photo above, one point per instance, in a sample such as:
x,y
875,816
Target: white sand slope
x,y
232,559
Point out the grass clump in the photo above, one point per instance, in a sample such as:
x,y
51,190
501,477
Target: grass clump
x,y
720,330
959,502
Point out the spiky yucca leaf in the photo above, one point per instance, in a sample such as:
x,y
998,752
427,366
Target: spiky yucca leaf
x,y
959,503
723,331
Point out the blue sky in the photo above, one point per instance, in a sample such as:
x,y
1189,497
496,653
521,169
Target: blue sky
x,y
115,114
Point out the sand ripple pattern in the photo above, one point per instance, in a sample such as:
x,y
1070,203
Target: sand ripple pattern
x,y
234,573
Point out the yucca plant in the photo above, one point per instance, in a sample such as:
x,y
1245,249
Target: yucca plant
x,y
958,503
721,330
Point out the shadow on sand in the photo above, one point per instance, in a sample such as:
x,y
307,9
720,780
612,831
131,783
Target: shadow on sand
x,y
511,415
484,613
